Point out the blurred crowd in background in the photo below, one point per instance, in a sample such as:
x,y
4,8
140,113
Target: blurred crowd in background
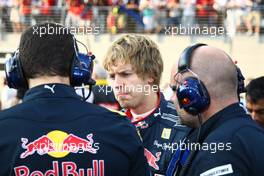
x,y
122,16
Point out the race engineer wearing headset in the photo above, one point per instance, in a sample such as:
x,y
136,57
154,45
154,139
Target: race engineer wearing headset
x,y
54,132
224,140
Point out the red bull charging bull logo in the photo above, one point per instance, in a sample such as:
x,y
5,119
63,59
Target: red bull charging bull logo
x,y
58,144
152,159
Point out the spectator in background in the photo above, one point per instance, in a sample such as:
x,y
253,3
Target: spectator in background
x,y
133,7
36,15
147,9
86,15
121,19
160,14
111,20
174,12
188,15
25,13
116,20
47,9
100,11
15,16
235,15
253,16
206,14
220,8
73,13
255,99
5,6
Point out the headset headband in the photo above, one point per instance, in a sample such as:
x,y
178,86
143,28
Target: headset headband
x,y
186,56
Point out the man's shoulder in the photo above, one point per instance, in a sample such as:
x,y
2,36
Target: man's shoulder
x,y
12,112
242,137
110,113
232,150
250,137
107,116
71,110
236,126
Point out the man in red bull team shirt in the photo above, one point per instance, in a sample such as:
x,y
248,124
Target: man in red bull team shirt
x,y
135,66
53,132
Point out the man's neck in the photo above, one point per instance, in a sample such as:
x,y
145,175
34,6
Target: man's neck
x,y
150,102
48,80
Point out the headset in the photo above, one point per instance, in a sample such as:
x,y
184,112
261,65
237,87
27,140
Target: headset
x,y
192,95
80,73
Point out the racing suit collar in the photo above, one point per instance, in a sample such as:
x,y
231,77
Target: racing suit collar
x,y
55,90
147,121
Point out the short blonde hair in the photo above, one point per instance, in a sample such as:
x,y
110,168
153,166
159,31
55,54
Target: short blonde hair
x,y
139,51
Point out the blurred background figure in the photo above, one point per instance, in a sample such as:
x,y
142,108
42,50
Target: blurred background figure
x,y
235,16
147,9
15,16
8,96
73,13
111,20
255,99
25,12
116,20
205,14
86,14
253,18
174,15
188,14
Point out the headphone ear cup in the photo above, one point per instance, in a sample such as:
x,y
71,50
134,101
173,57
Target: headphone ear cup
x,y
193,96
82,69
14,73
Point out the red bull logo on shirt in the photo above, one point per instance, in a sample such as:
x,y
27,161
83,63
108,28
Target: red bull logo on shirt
x,y
58,144
41,145
152,159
